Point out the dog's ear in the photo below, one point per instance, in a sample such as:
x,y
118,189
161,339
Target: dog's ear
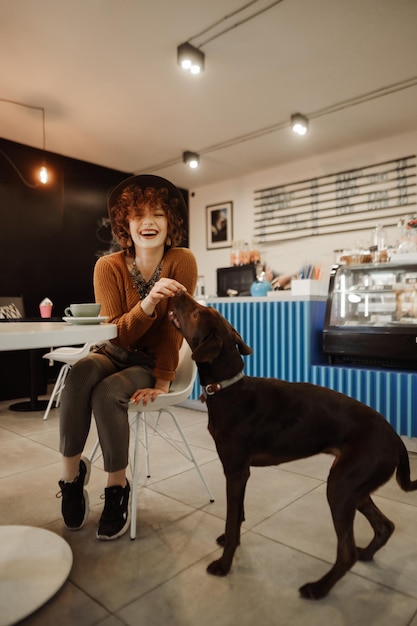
x,y
242,346
209,348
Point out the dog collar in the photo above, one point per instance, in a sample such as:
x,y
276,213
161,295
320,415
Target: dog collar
x,y
212,388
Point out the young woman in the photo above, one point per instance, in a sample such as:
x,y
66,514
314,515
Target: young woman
x,y
133,287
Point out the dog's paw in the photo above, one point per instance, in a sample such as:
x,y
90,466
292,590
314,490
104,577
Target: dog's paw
x,y
365,555
312,591
216,568
221,540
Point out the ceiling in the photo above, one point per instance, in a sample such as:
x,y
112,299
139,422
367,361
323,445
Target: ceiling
x,y
106,73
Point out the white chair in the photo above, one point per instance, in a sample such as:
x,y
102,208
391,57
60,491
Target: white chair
x,y
180,390
69,356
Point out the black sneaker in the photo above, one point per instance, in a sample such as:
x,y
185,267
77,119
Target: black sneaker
x,y
115,518
75,498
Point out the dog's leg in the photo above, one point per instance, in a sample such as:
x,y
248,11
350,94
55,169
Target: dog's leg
x,y
343,506
383,528
235,492
222,538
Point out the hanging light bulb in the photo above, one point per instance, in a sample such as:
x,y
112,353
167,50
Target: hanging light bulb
x,y
43,172
43,175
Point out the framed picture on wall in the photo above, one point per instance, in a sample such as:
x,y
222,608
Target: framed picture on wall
x,y
219,225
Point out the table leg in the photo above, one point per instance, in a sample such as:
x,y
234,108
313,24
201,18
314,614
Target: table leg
x,y
33,404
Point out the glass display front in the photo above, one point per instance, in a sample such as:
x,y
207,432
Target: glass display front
x,y
374,295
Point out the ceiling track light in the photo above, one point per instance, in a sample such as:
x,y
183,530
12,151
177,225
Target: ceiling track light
x,y
190,58
299,123
192,159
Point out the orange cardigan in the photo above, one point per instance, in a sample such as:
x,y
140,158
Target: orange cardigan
x,y
114,289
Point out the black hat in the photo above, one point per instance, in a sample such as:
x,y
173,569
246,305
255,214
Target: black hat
x,y
144,181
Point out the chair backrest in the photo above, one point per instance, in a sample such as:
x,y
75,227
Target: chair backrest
x,y
68,354
186,371
181,386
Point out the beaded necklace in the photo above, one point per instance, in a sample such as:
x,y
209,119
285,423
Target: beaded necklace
x,y
142,286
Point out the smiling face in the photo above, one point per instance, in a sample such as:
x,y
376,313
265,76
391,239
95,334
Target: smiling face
x,y
133,203
149,228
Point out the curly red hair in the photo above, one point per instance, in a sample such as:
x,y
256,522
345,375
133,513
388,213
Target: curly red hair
x,y
132,202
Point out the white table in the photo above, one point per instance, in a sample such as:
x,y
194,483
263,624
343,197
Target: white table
x,y
34,564
31,335
46,334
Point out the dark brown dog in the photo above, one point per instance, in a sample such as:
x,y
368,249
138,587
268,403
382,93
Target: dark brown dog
x,y
265,421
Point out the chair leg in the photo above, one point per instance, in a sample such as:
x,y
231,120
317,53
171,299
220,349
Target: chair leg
x,y
61,388
146,445
56,392
92,456
188,454
135,481
135,425
141,417
191,455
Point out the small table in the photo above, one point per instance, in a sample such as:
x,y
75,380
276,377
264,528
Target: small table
x,y
34,564
46,334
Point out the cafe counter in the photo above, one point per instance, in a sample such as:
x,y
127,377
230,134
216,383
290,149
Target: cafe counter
x,y
285,333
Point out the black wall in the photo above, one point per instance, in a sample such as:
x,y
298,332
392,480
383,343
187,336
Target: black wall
x,y
49,243
51,236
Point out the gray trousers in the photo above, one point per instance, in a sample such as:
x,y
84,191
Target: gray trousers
x,y
100,386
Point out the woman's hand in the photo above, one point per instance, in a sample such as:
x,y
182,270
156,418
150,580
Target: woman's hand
x,y
164,288
145,395
148,393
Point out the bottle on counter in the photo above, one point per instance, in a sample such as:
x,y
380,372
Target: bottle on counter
x,y
200,290
379,243
235,254
255,255
245,256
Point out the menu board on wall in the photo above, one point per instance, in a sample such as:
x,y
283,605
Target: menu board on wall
x,y
355,199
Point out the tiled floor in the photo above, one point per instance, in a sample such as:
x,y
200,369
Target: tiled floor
x,y
160,578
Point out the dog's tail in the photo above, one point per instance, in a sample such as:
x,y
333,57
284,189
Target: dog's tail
x,y
403,472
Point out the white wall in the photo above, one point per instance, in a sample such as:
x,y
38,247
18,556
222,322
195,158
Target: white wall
x,y
286,257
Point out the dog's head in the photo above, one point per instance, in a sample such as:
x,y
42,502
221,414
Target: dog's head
x,y
207,332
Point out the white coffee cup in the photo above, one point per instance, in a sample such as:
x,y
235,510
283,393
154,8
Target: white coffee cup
x,y
85,309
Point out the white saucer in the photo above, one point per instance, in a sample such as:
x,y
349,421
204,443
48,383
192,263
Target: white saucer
x,y
84,320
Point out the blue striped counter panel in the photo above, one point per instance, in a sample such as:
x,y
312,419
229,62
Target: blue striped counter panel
x,y
392,393
286,337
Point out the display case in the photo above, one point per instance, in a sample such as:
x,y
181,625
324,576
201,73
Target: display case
x,y
371,315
